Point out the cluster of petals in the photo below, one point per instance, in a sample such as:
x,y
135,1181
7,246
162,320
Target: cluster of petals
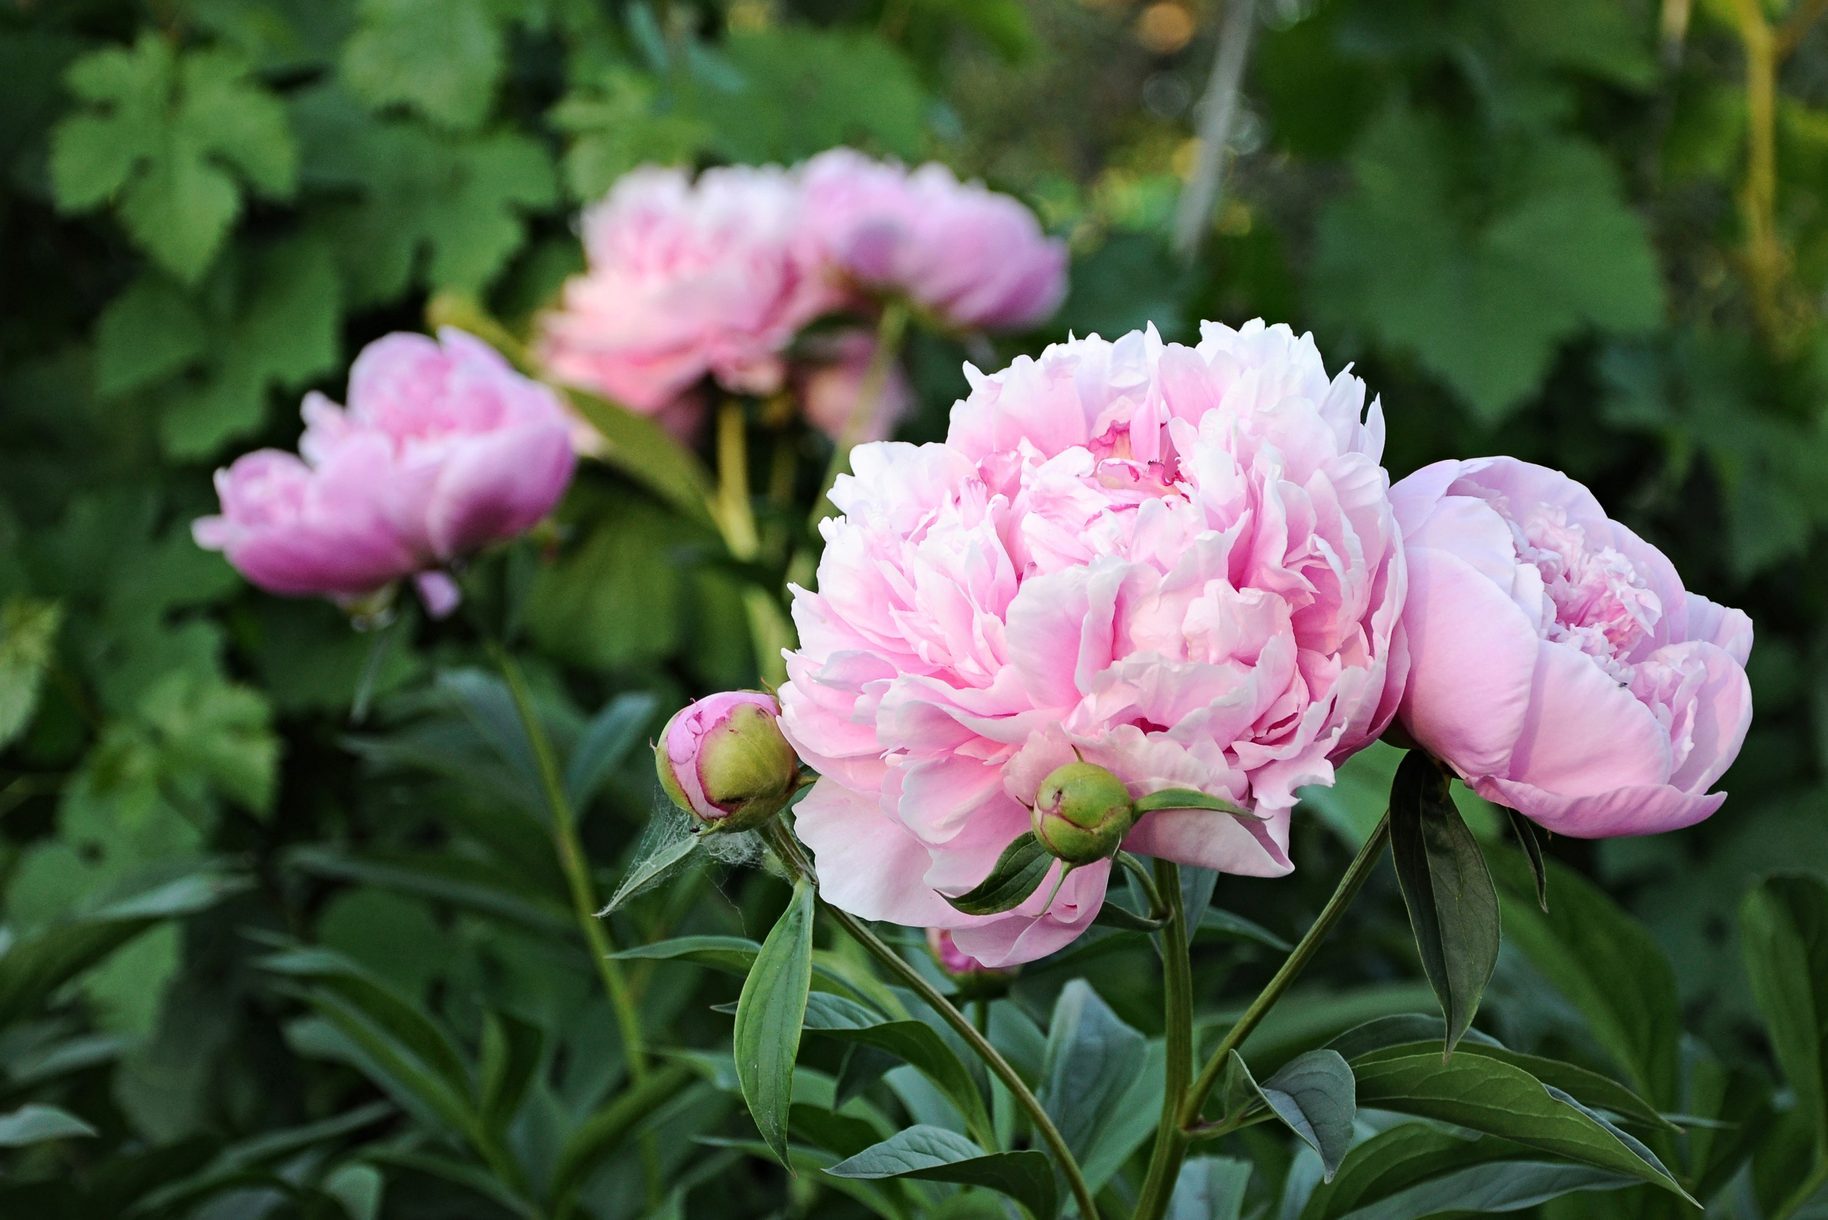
x,y
1178,563
1559,666
712,281
442,450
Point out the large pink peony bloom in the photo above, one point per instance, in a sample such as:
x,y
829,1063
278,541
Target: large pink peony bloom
x,y
687,279
1557,663
443,449
1179,562
975,258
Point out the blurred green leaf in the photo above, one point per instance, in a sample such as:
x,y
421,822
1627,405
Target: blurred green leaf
x,y
161,134
28,635
1209,1188
442,57
1784,927
1489,288
35,1124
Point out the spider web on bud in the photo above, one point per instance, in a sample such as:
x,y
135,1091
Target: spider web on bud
x,y
670,841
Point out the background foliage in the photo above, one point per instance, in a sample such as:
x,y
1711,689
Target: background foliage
x,y
1587,234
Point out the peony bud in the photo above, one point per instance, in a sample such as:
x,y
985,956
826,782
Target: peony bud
x,y
723,760
1082,813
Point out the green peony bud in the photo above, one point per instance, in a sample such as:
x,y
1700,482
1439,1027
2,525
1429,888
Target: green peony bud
x,y
1082,812
724,761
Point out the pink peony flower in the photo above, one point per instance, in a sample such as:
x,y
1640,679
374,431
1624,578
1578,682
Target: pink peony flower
x,y
443,449
953,960
975,258
683,280
1557,664
831,381
1179,563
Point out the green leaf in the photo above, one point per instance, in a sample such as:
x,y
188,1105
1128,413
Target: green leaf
x,y
1784,930
769,1015
36,1124
1092,1061
604,744
916,1042
1209,1188
28,636
511,1058
441,57
36,964
934,1154
1453,906
1607,966
465,884
1507,248
656,861
645,451
147,333
1018,873
618,126
1531,836
1416,1170
610,1127
170,136
792,91
1312,1094
1185,798
1496,1098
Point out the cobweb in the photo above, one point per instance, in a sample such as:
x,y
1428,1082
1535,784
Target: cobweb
x,y
670,842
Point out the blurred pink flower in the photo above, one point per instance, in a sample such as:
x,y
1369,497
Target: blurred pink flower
x,y
1557,663
686,279
1179,563
830,379
976,259
443,449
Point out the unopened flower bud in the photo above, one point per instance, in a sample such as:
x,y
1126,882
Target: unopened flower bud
x,y
724,761
1082,813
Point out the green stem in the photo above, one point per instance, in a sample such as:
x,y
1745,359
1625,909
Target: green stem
x,y
785,847
584,904
1194,1100
1177,986
769,629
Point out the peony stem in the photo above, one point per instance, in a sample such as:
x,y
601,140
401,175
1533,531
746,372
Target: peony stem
x,y
1154,1206
1177,985
794,859
735,516
577,878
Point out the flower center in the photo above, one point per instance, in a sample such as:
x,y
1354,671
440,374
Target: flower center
x,y
1602,605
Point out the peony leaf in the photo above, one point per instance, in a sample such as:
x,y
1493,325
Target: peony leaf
x,y
769,1016
1493,1097
1531,836
1453,906
34,1124
1186,798
1314,1096
659,856
1784,924
1018,873
934,1154
916,1042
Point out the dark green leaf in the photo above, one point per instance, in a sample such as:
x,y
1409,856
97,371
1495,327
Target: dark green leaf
x,y
1209,1188
1018,872
1497,1098
1784,926
35,1124
604,743
1092,1061
916,1042
1313,1095
769,1016
644,451
1530,836
28,631
935,1154
511,1057
598,1136
463,883
1453,906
